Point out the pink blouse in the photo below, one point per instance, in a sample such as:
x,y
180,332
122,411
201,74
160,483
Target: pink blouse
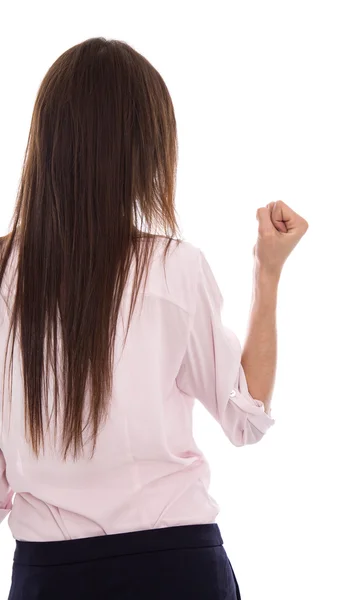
x,y
147,471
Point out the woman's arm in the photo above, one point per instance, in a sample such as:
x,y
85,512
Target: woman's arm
x,y
259,356
211,369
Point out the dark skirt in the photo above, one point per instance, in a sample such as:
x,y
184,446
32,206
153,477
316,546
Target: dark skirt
x,y
173,563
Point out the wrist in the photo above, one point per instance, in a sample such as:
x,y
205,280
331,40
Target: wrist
x,y
266,283
266,276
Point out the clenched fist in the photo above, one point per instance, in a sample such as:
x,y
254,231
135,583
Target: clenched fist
x,y
279,231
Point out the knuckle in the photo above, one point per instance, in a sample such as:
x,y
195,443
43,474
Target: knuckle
x,y
304,224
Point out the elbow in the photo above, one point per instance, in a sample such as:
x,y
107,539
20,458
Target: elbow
x,y
246,423
245,437
252,434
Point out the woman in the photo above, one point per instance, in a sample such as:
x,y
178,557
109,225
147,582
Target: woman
x,y
106,490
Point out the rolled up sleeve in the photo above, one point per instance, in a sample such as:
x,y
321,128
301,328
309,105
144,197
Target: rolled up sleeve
x,y
211,370
6,493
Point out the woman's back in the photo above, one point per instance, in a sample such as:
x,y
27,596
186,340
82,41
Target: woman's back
x,y
147,471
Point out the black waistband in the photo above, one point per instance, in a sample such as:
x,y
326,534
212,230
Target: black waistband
x,y
136,542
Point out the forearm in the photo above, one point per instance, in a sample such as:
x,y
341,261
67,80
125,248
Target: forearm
x,y
259,355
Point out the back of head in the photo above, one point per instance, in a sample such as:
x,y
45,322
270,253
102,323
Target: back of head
x,y
99,174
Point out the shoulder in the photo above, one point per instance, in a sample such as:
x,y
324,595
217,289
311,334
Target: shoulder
x,y
192,272
174,272
180,255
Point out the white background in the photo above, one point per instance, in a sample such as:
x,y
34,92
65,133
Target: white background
x,y
265,98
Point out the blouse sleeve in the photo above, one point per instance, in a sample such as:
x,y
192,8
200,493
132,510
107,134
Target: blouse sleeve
x,y
6,492
211,370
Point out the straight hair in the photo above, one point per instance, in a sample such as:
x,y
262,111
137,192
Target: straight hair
x,y
96,192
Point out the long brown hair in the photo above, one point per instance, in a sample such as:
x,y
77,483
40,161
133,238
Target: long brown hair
x,y
99,174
